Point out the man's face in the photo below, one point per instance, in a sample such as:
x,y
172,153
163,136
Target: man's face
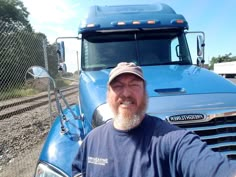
x,y
127,99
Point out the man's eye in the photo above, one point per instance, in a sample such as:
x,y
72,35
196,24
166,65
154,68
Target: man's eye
x,y
134,84
117,86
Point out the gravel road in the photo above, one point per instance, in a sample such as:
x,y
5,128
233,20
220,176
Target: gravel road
x,y
21,140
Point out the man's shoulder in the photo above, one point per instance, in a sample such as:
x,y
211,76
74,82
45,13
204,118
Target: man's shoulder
x,y
158,122
160,126
169,133
100,130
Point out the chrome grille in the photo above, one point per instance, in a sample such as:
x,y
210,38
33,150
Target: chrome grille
x,y
219,133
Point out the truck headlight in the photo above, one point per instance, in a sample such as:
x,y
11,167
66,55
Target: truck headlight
x,y
44,170
101,115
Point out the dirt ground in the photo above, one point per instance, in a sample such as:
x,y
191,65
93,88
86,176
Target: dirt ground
x,y
23,165
22,137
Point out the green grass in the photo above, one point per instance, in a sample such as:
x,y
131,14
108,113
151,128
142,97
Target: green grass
x,y
17,93
62,83
23,91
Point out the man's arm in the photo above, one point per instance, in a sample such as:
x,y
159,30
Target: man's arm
x,y
78,165
194,158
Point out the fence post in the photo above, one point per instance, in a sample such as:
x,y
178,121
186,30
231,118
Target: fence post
x,y
49,89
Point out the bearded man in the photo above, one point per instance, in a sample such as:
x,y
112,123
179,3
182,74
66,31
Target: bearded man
x,y
135,144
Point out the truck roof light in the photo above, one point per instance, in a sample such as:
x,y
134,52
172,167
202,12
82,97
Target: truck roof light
x,y
120,23
151,22
179,21
136,22
91,25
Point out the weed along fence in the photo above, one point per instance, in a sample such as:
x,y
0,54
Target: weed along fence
x,y
24,111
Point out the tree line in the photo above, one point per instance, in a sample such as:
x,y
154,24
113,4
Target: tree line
x,y
220,59
21,47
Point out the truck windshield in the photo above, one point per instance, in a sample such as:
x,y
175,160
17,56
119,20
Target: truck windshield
x,y
102,51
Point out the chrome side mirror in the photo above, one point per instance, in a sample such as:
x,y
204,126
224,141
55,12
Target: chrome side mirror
x,y
200,45
38,72
200,50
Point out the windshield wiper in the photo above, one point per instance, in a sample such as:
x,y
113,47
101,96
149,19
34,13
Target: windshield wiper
x,y
99,68
175,63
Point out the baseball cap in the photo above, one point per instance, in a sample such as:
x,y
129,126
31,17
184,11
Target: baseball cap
x,y
123,68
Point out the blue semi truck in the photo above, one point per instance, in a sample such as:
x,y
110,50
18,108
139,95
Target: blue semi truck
x,y
154,37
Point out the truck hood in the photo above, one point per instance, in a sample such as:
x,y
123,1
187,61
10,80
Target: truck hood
x,y
163,80
63,146
188,79
169,79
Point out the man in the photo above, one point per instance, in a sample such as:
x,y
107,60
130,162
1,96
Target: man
x,y
135,144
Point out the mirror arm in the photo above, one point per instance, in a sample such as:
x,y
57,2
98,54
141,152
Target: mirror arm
x,y
68,107
60,112
37,72
200,61
63,117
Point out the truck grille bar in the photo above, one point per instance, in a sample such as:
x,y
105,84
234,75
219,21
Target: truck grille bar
x,y
219,133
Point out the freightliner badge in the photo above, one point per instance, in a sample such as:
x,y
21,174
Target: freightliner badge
x,y
186,117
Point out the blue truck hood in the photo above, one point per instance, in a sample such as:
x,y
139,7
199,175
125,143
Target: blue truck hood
x,y
188,79
63,146
162,80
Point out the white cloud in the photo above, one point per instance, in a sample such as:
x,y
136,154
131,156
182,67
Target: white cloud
x,y
50,17
55,11
57,18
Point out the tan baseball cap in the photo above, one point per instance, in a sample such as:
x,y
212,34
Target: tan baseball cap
x,y
125,67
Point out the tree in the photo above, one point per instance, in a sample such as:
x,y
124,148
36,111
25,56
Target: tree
x,y
52,59
220,59
20,47
20,51
13,12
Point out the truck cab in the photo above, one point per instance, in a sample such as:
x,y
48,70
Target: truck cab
x,y
154,37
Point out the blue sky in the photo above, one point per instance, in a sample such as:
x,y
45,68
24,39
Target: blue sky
x,y
214,17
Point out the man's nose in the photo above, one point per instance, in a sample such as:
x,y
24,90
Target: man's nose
x,y
126,91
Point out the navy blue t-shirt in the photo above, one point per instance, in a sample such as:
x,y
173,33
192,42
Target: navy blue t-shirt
x,y
153,149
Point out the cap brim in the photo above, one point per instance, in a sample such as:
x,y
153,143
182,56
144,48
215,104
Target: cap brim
x,y
124,72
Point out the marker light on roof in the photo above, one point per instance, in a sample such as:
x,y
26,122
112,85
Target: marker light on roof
x,y
179,21
90,25
120,23
136,23
151,22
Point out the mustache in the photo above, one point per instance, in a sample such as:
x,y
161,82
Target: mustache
x,y
129,98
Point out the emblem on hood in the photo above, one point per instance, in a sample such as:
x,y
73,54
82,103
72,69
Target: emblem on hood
x,y
186,117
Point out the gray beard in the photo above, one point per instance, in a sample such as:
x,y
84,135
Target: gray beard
x,y
127,123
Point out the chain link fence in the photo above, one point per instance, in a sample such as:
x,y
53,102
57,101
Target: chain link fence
x,y
24,111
